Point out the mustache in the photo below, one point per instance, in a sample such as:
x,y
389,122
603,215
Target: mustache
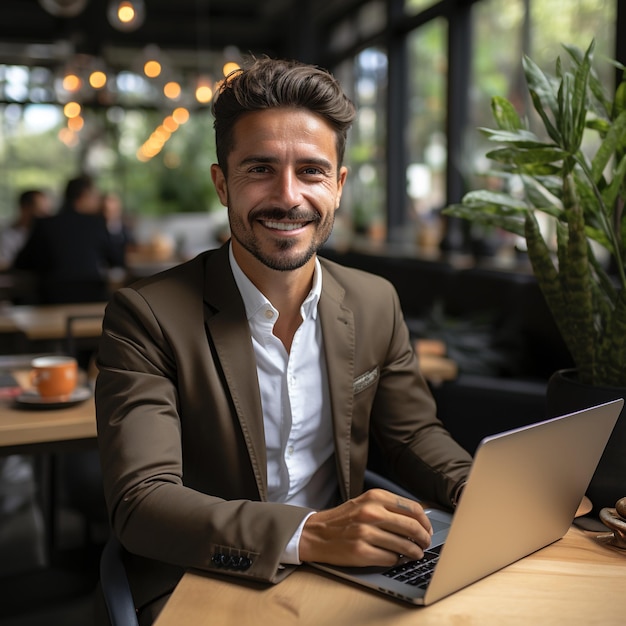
x,y
295,214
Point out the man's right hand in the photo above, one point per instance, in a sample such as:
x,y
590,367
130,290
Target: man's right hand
x,y
374,528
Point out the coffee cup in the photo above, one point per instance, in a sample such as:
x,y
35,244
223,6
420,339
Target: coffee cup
x,y
54,376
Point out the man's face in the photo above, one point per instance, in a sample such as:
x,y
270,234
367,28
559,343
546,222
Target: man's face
x,y
42,206
283,186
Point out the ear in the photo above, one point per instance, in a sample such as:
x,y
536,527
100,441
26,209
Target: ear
x,y
219,180
343,174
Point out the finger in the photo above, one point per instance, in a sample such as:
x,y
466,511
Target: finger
x,y
404,517
413,509
399,546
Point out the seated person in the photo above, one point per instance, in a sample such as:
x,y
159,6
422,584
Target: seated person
x,y
237,391
32,204
71,252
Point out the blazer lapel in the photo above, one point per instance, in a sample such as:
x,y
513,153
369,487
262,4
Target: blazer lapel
x,y
339,345
228,327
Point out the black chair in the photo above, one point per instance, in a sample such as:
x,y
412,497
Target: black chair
x,y
114,584
373,480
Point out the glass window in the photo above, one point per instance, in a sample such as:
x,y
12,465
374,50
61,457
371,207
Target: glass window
x,y
413,7
577,22
502,33
427,146
363,203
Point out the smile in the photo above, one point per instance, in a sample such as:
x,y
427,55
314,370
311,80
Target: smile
x,y
284,225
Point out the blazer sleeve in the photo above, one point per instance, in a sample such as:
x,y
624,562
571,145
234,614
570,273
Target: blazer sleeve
x,y
153,509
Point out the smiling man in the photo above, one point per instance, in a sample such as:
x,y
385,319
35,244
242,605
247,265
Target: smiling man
x,y
237,392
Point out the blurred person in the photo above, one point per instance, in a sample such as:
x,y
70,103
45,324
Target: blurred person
x,y
31,204
120,232
237,392
71,252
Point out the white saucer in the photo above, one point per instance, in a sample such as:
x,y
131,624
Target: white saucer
x,y
33,400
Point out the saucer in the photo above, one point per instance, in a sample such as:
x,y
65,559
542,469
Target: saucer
x,y
32,400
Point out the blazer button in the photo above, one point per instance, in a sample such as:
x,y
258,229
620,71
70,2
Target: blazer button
x,y
245,562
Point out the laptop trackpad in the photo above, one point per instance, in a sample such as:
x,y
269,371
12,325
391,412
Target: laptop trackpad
x,y
440,520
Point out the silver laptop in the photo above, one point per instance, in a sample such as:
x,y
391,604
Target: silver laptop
x,y
522,494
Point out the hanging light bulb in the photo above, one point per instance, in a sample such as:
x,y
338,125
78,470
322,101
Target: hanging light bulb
x,y
126,15
204,90
97,79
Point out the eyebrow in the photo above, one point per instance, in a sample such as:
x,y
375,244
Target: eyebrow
x,y
322,163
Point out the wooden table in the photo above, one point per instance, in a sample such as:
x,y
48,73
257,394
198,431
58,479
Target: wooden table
x,y
31,429
575,581
27,430
50,322
46,432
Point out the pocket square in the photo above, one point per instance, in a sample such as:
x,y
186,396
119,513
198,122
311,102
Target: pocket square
x,y
365,380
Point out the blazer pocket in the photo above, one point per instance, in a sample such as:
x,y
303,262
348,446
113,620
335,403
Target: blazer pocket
x,y
365,380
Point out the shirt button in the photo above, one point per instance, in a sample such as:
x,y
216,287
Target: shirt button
x,y
269,314
290,450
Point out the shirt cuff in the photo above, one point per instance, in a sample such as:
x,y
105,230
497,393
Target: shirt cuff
x,y
456,496
291,553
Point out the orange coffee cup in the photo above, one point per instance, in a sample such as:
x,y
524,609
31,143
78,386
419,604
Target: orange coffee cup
x,y
54,376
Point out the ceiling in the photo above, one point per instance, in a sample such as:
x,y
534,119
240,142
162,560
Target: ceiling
x,y
183,29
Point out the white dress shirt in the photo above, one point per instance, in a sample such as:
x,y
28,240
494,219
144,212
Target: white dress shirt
x,y
295,403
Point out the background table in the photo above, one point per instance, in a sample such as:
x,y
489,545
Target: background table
x,y
27,430
24,429
574,581
45,433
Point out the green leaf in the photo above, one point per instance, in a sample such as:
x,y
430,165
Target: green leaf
x,y
520,138
482,196
579,100
488,215
614,138
612,191
551,129
521,156
505,115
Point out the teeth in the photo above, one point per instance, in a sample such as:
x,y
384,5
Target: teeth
x,y
284,225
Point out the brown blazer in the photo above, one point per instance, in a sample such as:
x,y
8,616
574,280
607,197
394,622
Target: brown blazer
x,y
180,425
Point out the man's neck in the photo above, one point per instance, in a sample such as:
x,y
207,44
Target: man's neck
x,y
286,290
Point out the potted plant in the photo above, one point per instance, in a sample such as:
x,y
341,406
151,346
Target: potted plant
x,y
580,268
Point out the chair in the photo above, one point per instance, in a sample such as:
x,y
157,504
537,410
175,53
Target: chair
x,y
373,480
115,588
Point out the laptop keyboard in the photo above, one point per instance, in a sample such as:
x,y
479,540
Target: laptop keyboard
x,y
416,573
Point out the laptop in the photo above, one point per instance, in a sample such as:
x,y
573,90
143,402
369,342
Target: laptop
x,y
522,494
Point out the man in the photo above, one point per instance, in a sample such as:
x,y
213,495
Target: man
x,y
31,204
237,391
71,252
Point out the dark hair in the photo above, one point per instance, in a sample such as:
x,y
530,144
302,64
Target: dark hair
x,y
75,188
29,197
269,84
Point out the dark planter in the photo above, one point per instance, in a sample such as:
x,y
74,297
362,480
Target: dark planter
x,y
566,395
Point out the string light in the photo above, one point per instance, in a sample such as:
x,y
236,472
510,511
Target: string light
x,y
126,15
97,79
152,68
172,90
72,82
72,109
204,91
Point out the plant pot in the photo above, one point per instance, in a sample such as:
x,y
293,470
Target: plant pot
x,y
566,395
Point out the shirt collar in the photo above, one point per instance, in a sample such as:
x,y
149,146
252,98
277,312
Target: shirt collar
x,y
254,300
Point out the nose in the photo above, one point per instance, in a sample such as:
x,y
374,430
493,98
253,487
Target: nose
x,y
287,189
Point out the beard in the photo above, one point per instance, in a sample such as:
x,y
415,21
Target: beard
x,y
280,257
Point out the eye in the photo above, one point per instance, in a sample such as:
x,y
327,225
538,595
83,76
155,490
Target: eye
x,y
259,169
313,170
